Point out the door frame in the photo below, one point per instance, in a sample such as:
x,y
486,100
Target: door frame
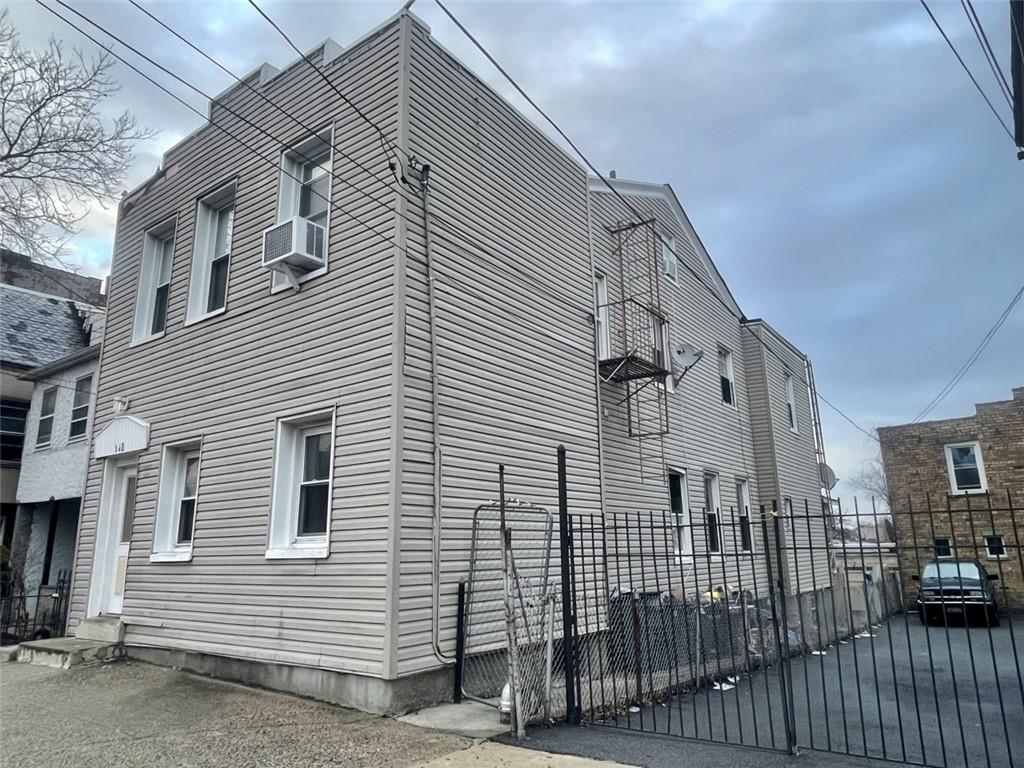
x,y
116,470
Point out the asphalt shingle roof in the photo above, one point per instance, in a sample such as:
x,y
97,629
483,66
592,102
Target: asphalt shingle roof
x,y
36,329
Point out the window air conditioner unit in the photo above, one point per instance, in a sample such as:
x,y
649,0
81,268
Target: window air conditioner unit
x,y
294,245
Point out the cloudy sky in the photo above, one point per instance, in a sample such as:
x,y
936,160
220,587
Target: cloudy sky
x,y
846,177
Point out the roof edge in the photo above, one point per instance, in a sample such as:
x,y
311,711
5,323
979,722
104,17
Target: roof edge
x,y
81,356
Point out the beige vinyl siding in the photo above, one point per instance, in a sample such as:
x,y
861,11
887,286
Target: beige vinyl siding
x,y
705,435
516,364
792,458
226,380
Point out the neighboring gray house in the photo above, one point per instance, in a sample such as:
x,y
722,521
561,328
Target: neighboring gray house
x,y
311,371
48,364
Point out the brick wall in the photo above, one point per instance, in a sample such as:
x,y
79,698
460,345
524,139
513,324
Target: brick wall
x,y
924,506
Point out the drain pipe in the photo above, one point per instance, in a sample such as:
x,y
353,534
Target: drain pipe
x,y
436,416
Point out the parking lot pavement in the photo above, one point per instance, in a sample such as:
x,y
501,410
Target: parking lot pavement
x,y
934,695
133,714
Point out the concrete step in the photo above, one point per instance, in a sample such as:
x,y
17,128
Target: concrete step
x,y
66,652
8,653
105,629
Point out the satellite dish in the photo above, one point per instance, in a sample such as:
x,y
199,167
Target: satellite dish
x,y
686,355
828,477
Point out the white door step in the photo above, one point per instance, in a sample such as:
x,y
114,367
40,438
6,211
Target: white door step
x,y
66,652
106,629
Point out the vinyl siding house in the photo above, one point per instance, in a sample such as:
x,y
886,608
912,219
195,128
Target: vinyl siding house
x,y
286,461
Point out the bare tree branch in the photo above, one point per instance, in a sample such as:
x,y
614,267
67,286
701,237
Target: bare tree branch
x,y
58,158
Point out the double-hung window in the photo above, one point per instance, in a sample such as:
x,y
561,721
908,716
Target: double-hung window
x,y
943,546
177,502
602,328
995,547
46,408
208,287
725,375
669,260
300,515
791,403
305,191
680,501
966,468
154,283
13,414
712,513
743,518
662,352
80,407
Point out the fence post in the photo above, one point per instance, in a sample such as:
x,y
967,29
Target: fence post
x,y
460,642
781,623
565,548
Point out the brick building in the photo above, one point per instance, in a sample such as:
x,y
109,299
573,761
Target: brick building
x,y
957,490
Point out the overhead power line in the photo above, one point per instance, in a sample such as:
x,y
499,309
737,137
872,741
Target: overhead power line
x,y
986,49
972,359
665,243
967,69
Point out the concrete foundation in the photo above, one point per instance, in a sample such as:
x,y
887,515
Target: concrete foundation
x,y
369,694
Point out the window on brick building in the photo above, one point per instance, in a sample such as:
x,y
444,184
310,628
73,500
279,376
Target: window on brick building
x,y
943,547
995,547
966,468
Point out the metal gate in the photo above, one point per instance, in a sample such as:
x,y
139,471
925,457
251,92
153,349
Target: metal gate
x,y
769,629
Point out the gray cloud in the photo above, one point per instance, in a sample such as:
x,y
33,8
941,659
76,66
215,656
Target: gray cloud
x,y
847,179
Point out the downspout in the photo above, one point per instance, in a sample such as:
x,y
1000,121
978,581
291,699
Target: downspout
x,y
436,424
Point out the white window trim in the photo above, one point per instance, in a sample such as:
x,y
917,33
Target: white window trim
x,y
730,368
949,546
207,208
947,449
88,411
288,200
283,541
52,416
743,501
602,317
166,548
684,527
668,256
145,292
716,503
988,552
794,425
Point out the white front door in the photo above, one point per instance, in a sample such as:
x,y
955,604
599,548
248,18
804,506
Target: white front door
x,y
113,538
126,513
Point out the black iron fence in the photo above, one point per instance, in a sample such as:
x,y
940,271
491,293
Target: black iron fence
x,y
33,614
849,629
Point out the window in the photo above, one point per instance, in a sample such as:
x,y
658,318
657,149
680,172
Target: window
x,y
995,547
943,547
662,352
712,510
306,190
128,520
46,408
300,515
154,283
743,500
725,374
602,328
12,431
670,263
176,503
208,287
966,469
680,501
80,407
791,402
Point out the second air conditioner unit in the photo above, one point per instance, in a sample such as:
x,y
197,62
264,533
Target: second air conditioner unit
x,y
294,245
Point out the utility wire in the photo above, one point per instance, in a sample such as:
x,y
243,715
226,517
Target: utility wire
x,y
972,359
569,302
986,49
385,140
967,70
256,91
665,244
